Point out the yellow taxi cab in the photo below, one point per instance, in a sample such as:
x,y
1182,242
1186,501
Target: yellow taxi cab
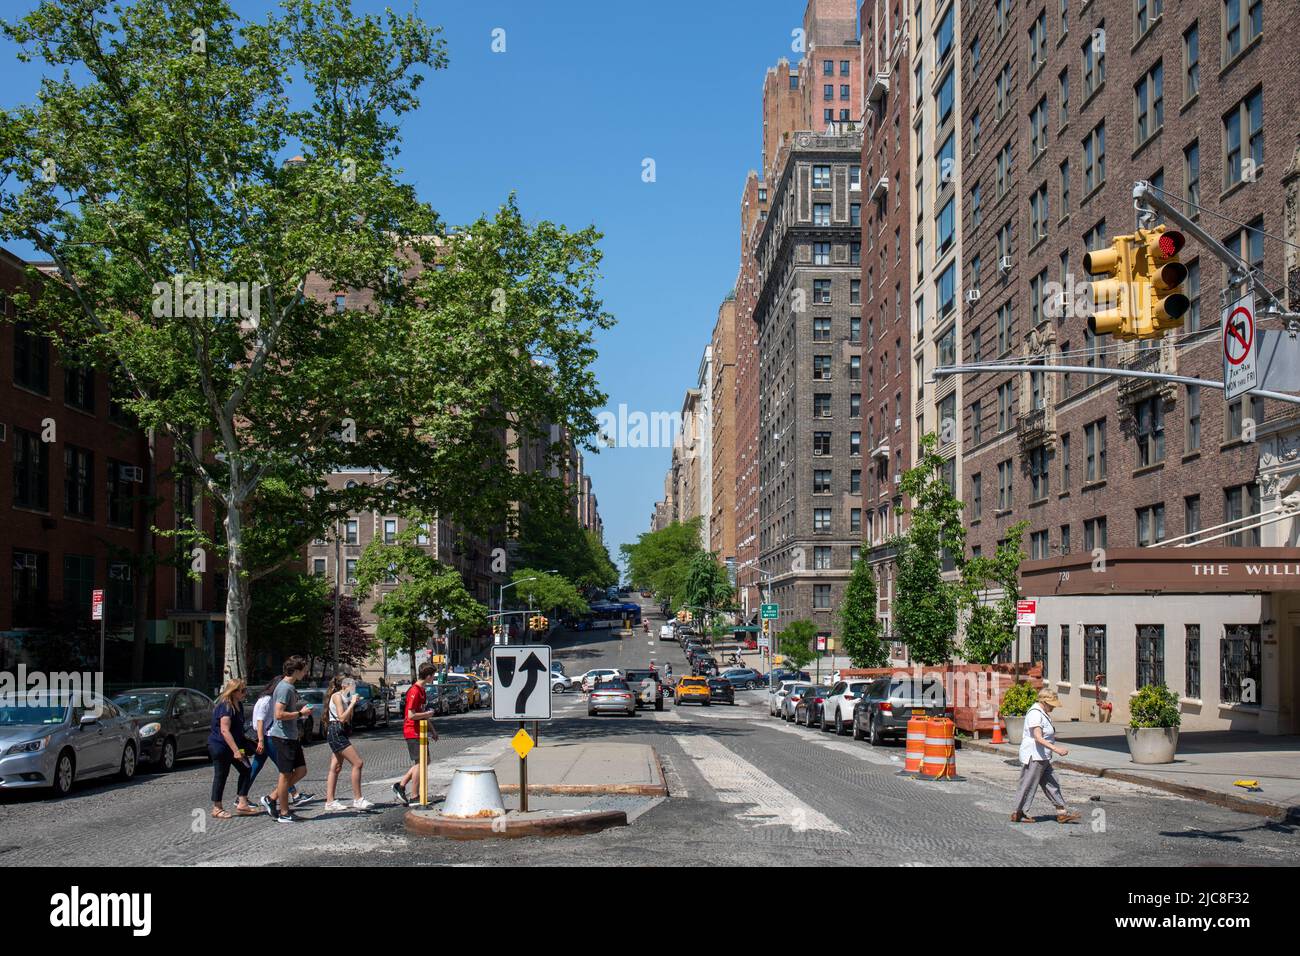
x,y
471,688
692,689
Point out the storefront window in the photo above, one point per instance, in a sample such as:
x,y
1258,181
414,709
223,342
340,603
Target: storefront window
x,y
1239,670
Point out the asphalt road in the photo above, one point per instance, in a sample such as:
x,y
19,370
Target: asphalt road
x,y
745,788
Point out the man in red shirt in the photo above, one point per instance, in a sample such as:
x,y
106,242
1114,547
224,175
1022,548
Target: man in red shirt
x,y
417,709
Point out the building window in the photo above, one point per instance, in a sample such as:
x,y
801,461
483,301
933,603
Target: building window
x,y
1239,668
944,99
855,329
1094,653
390,531
31,471
1094,158
350,531
1005,413
855,443
1038,214
1038,475
946,288
1002,85
31,359
1094,60
1065,461
821,214
1192,658
1191,517
350,571
79,387
121,501
1063,98
1192,420
822,329
1038,646
1094,437
1192,61
1065,539
821,368
318,567
1240,423
1004,329
1094,534
1038,128
1038,41
1150,655
855,520
976,422
855,291
78,482
821,176
1192,173
1002,171
1004,485
821,253
1150,525
822,520
1150,417
31,588
1038,546
855,248
855,481
1149,104
822,291
822,558
1065,653
821,443
1243,140
977,496
1240,503
822,405
1239,31
821,481
944,225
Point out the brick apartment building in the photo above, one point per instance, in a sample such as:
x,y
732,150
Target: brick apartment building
x,y
722,521
1065,105
753,214
810,375
80,489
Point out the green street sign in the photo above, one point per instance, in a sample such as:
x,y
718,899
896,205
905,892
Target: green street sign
x,y
771,612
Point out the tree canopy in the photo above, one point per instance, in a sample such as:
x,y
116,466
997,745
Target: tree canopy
x,y
661,560
863,636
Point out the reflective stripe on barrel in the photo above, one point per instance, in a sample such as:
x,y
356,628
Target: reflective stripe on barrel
x,y
915,745
940,751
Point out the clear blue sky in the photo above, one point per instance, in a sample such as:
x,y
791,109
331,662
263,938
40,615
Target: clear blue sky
x,y
584,92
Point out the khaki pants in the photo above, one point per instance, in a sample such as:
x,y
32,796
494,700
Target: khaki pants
x,y
1035,774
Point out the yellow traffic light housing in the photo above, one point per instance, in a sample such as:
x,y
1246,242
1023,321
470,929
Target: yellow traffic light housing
x,y
1164,303
1113,298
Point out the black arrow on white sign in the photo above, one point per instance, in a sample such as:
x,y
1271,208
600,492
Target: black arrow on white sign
x,y
532,667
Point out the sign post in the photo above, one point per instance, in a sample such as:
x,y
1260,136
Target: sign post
x,y
1026,617
519,695
97,614
1240,370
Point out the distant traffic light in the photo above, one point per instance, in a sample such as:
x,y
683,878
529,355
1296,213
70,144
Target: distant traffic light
x,y
1164,303
1113,298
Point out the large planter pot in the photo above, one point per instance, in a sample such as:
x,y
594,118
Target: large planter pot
x,y
1152,744
1015,729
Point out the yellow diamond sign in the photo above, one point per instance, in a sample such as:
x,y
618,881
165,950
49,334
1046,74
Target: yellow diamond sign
x,y
522,743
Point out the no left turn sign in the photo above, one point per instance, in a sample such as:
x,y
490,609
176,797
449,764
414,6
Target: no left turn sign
x,y
1240,373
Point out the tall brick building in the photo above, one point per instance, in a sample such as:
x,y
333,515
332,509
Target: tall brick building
x,y
722,521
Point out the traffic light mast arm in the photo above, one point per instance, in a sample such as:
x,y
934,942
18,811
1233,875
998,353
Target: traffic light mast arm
x,y
1144,194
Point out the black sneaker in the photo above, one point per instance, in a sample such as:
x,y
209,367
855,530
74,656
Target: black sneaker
x,y
286,818
269,806
401,795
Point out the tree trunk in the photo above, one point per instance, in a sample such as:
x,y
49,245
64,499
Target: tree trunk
x,y
142,583
237,597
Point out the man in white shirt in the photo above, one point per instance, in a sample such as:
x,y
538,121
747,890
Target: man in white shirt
x,y
1037,744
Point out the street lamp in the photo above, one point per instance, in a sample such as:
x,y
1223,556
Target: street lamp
x,y
501,596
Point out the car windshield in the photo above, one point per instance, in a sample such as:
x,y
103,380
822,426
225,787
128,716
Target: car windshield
x,y
799,690
820,691
693,680
719,682
143,705
35,713
927,692
611,685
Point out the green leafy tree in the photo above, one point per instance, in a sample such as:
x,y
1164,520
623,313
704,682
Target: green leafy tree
x,y
796,643
547,592
707,588
428,596
551,537
927,604
661,560
862,634
991,626
193,259
285,616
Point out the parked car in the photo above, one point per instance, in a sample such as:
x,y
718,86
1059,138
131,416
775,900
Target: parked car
x,y
888,703
743,677
485,693
452,696
560,684
371,708
791,700
838,710
784,674
470,687
394,696
721,689
692,690
808,709
313,725
611,695
50,739
588,680
775,697
172,722
667,632
646,686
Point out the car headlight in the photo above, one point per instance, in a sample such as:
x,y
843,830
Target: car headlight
x,y
29,746
148,730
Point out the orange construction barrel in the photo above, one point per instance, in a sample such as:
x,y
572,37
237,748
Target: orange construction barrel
x,y
940,761
915,745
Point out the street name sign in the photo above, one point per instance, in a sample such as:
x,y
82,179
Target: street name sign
x,y
1240,369
519,691
771,612
1026,613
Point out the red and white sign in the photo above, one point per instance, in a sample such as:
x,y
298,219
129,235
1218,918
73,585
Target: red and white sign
x,y
821,642
1026,613
1240,372
96,605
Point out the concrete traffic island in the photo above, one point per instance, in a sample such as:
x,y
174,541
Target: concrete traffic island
x,y
587,769
535,823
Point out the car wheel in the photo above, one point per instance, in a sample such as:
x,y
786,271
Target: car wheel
x,y
857,731
824,725
877,739
839,725
127,769
167,762
65,773
590,712
557,688
707,702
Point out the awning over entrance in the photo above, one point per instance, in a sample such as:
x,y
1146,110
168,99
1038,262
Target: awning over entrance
x,y
1194,570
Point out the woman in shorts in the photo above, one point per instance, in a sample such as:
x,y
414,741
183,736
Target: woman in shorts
x,y
340,702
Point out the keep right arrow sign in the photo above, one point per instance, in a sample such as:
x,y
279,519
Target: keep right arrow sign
x,y
1240,370
522,689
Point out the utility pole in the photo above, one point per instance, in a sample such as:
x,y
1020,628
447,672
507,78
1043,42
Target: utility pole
x,y
338,590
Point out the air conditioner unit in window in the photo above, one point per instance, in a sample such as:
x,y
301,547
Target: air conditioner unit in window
x,y
898,423
131,473
1004,263
972,295
898,478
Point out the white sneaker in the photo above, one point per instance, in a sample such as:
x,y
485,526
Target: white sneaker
x,y
335,805
361,804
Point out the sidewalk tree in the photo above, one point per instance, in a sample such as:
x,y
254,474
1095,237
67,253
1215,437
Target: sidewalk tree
x,y
661,560
707,588
285,616
356,644
551,537
192,258
426,596
991,626
547,592
863,636
796,643
927,604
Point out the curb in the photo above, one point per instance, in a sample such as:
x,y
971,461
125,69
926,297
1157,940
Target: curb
x,y
1277,812
594,789
575,824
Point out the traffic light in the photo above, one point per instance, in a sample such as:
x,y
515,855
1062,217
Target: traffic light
x,y
1114,306
1164,303
542,623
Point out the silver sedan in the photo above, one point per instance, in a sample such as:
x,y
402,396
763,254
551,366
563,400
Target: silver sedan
x,y
49,739
611,696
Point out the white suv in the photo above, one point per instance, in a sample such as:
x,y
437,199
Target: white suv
x,y
596,674
776,697
837,709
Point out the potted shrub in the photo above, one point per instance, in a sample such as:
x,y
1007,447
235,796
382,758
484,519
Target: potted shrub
x,y
1152,730
1015,704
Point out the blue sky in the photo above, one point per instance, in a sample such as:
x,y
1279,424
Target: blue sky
x,y
585,91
